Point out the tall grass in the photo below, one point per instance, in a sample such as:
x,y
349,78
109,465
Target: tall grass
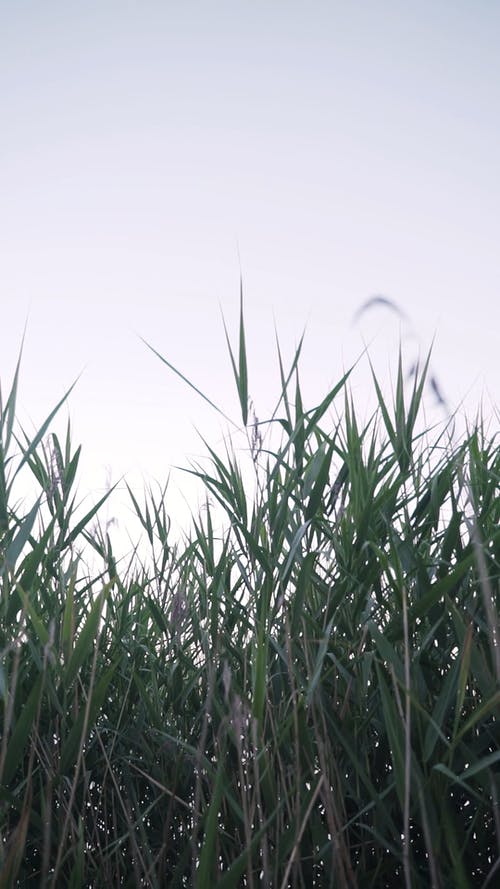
x,y
309,698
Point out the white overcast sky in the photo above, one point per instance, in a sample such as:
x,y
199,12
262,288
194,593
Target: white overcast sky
x,y
330,150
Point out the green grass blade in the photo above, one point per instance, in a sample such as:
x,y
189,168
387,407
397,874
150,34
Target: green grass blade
x,y
207,865
23,727
84,645
19,542
188,382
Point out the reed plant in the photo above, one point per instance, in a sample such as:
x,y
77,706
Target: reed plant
x,y
304,694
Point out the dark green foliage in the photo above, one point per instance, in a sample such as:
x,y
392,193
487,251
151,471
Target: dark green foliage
x,y
310,698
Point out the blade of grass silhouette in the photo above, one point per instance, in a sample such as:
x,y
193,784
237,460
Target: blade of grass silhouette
x,y
7,415
240,372
189,383
285,382
41,432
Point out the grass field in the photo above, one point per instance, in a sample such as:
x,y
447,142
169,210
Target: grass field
x,y
309,698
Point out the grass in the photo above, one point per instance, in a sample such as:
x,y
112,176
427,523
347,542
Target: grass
x,y
310,697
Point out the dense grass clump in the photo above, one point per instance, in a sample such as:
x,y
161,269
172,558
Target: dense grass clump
x,y
309,698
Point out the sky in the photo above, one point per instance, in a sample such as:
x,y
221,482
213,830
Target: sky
x,y
153,153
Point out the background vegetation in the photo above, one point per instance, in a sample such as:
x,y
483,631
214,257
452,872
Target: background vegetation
x,y
309,697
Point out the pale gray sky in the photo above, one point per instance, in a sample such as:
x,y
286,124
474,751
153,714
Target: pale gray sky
x,y
339,149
